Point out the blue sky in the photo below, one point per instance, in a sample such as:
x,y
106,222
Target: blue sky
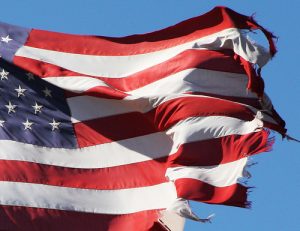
x,y
276,198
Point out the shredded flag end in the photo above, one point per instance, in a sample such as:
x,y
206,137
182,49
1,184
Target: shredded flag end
x,y
270,140
255,81
182,208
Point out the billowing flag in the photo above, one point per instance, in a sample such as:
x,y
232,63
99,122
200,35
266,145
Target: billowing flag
x,y
103,133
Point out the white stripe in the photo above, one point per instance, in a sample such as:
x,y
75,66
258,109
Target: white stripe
x,y
132,150
204,128
122,201
121,66
94,107
123,152
220,175
77,84
198,80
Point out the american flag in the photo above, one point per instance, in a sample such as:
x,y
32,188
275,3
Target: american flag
x,y
103,133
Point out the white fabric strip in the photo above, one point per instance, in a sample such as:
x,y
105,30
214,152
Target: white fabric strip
x,y
127,65
220,175
77,84
132,150
123,152
121,201
94,107
204,128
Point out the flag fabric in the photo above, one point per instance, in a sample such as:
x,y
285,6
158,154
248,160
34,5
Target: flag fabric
x,y
104,133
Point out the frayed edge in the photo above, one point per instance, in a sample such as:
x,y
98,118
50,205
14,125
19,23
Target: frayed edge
x,y
244,181
248,204
291,138
270,143
272,39
208,219
246,175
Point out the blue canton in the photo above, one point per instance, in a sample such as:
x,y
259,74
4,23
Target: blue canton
x,y
32,110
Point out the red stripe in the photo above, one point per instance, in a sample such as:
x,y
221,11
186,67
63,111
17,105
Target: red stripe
x,y
191,189
221,60
255,82
141,174
220,150
218,19
36,219
112,128
173,111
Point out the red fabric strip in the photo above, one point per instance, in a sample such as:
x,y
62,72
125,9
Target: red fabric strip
x,y
233,195
36,219
220,150
255,82
135,175
112,128
218,19
172,111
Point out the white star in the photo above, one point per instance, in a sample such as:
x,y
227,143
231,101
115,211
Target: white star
x,y
4,74
37,108
27,125
2,123
20,91
54,125
11,107
47,92
30,76
6,39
